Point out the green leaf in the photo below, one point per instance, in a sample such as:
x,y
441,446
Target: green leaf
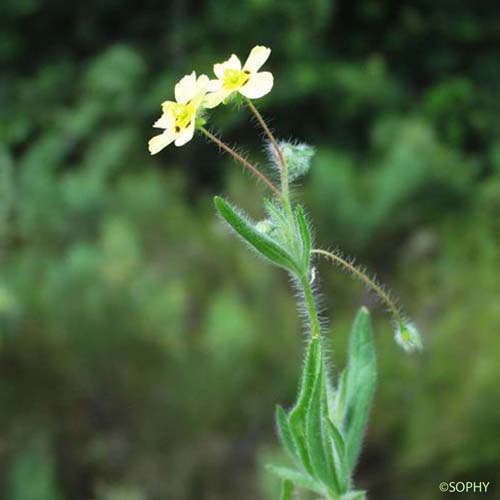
x,y
297,415
317,437
312,366
285,433
297,478
339,454
285,233
305,235
354,495
257,240
338,440
286,490
339,399
360,382
276,213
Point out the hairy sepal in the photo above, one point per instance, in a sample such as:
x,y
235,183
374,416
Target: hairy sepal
x,y
298,157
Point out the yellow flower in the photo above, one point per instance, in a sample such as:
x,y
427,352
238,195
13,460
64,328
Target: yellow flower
x,y
179,116
248,81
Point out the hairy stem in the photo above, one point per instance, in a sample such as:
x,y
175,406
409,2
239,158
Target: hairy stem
x,y
279,153
371,284
311,308
241,160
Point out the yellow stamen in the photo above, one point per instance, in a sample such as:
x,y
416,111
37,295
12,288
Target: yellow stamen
x,y
235,79
182,113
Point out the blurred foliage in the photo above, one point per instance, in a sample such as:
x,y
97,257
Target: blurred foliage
x,y
141,351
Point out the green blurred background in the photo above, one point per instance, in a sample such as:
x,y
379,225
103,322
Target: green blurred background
x,y
142,348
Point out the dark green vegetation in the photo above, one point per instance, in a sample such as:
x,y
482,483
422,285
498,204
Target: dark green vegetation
x,y
142,350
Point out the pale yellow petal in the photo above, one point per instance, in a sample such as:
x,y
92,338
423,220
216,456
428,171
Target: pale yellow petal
x,y
185,135
201,83
166,120
167,105
185,89
258,56
215,98
158,142
201,90
259,85
214,85
232,63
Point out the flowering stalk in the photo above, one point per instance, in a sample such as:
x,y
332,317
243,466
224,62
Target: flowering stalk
x,y
370,283
324,430
277,150
255,171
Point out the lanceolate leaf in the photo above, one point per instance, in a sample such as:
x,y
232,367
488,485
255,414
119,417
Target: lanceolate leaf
x,y
305,236
298,414
285,233
312,367
354,495
297,477
325,428
286,490
338,440
360,381
339,455
259,241
339,400
285,433
317,435
275,212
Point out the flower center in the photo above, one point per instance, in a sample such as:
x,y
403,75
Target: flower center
x,y
234,79
183,114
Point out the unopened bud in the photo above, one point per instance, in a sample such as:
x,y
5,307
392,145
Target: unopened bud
x,y
265,226
297,156
407,336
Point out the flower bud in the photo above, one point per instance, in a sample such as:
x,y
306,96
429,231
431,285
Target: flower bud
x,y
407,336
297,156
265,226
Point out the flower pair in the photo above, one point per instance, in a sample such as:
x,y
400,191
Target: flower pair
x,y
192,94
